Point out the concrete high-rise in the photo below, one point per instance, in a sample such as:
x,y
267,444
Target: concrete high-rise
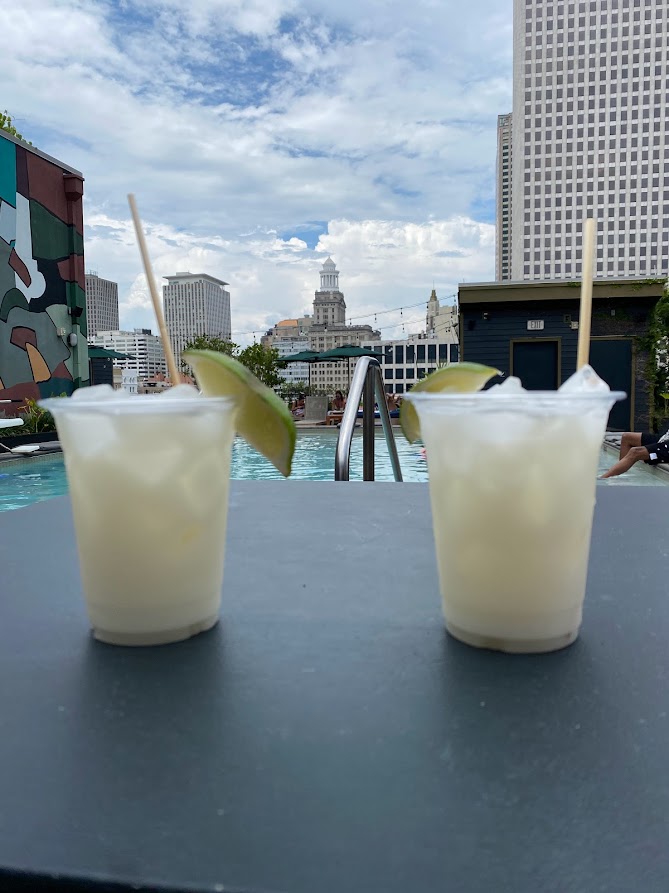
x,y
101,304
589,137
195,304
504,158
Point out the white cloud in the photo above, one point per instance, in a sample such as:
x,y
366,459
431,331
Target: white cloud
x,y
384,265
237,122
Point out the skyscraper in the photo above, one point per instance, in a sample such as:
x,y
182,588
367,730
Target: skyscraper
x,y
504,158
589,137
195,304
101,304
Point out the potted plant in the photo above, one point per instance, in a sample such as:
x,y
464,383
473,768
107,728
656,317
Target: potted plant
x,y
38,427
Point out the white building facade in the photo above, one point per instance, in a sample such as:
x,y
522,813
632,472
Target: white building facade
x,y
294,372
589,137
126,379
195,304
101,304
145,351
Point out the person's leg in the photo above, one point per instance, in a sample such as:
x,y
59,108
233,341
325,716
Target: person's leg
x,y
628,440
634,454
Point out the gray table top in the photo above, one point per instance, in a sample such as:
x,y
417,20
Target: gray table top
x,y
327,736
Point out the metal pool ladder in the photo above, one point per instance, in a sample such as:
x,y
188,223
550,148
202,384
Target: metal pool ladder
x,y
367,383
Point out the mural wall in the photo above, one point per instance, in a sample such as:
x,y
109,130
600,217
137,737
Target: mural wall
x,y
42,283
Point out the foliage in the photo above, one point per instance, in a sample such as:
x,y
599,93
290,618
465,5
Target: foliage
x,y
290,390
6,124
264,362
35,419
656,342
209,342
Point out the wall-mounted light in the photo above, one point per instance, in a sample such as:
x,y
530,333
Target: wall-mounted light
x,y
72,339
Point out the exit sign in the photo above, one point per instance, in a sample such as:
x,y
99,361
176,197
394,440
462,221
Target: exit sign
x,y
535,325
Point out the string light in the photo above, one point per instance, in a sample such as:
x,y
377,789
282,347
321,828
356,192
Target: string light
x,y
375,314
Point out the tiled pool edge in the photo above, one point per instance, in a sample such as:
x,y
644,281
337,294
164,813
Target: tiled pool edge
x,y
30,459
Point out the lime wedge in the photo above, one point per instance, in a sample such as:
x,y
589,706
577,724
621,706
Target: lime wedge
x,y
460,378
263,419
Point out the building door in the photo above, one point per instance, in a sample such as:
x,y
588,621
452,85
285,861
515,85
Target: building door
x,y
535,362
611,358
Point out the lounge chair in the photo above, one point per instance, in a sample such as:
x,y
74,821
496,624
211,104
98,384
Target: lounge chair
x,y
24,448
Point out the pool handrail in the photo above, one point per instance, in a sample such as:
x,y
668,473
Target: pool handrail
x,y
366,383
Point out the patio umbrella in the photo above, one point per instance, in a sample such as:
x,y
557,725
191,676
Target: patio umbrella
x,y
101,352
304,356
345,352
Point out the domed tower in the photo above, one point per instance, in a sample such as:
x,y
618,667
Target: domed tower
x,y
329,304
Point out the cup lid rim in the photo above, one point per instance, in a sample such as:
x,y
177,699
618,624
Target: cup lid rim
x,y
134,401
524,396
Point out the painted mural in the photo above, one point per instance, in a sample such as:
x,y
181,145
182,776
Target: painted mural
x,y
42,283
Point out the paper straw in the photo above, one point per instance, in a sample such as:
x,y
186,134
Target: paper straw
x,y
585,313
157,306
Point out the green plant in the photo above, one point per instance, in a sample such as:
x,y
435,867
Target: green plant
x,y
656,343
264,362
35,419
7,125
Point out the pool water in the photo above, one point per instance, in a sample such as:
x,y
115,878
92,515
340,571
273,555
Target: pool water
x,y
39,478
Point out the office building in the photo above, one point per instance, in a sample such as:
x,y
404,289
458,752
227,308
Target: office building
x,y
504,156
329,329
195,304
404,361
144,351
288,329
294,372
588,137
101,304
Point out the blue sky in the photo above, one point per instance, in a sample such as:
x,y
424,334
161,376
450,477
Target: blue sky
x,y
259,136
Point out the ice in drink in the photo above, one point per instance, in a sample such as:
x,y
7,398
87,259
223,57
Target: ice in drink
x,y
512,478
148,479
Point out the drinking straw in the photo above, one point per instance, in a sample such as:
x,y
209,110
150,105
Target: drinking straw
x,y
585,313
157,306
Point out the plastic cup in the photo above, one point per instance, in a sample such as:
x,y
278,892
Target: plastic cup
x,y
148,480
512,487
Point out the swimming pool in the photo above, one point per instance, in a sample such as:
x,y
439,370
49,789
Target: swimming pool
x,y
43,477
